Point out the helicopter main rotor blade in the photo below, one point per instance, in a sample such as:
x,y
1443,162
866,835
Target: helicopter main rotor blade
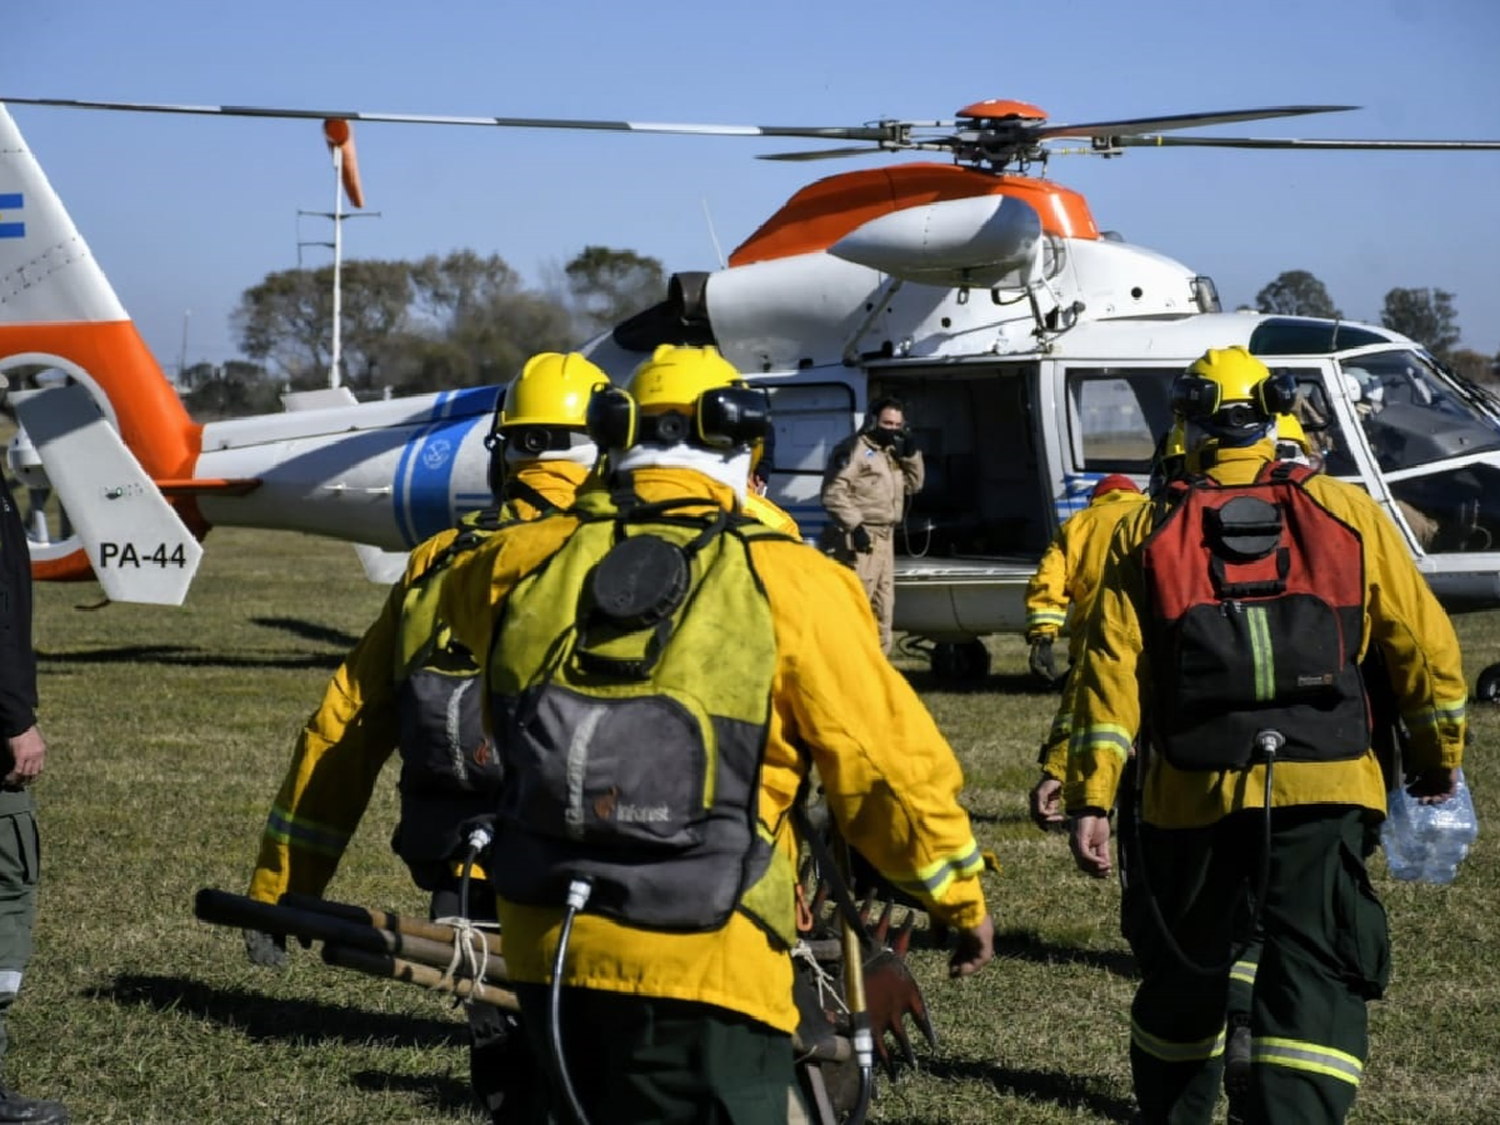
x,y
1289,143
1136,125
880,131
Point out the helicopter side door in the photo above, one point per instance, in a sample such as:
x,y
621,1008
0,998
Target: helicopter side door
x,y
976,428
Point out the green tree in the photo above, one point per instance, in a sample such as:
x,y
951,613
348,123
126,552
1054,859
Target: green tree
x,y
608,285
478,323
287,320
234,389
455,320
1426,315
1472,365
1297,293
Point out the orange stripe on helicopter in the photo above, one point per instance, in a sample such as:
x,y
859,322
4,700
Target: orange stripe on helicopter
x,y
152,420
227,486
340,136
824,212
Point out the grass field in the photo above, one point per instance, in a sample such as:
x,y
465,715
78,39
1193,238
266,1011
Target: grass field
x,y
169,731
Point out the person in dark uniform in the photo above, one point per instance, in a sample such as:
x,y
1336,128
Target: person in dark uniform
x,y
24,757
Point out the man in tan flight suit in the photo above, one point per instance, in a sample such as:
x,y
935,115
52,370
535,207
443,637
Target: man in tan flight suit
x,y
865,485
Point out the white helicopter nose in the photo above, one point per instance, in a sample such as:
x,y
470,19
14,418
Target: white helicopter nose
x,y
980,241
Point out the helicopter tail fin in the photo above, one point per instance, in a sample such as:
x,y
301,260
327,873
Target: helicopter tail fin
x,y
61,322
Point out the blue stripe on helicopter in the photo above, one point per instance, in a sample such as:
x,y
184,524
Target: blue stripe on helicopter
x,y
12,201
424,473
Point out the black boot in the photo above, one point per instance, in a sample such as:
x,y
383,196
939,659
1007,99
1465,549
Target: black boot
x,y
501,1068
34,1111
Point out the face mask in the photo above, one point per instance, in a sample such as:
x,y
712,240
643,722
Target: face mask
x,y
883,437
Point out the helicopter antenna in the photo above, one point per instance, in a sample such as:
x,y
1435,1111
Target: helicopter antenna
x,y
712,236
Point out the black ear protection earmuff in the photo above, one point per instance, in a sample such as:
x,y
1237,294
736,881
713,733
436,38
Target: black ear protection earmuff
x,y
724,418
611,418
733,416
1198,399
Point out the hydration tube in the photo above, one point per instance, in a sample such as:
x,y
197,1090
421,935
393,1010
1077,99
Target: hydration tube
x,y
1267,742
578,897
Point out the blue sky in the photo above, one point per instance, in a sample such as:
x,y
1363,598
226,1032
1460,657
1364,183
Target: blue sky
x,y
186,213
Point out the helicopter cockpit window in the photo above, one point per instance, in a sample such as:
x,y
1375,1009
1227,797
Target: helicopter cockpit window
x,y
1293,336
1117,414
1320,422
1415,416
1412,414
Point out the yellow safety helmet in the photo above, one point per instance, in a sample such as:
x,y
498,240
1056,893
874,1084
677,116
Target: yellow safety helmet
x,y
681,394
675,377
1175,443
1289,428
1231,395
552,392
1170,456
763,455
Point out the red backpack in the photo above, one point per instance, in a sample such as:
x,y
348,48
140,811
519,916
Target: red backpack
x,y
1254,621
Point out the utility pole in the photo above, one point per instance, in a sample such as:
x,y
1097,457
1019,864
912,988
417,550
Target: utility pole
x,y
337,216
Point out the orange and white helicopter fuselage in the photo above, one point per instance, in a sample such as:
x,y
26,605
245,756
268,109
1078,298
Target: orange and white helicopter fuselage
x,y
1034,355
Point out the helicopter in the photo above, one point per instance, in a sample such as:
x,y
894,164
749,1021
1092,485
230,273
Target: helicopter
x,y
1034,353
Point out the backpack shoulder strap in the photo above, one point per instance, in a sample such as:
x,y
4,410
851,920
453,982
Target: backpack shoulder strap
x,y
1276,472
519,490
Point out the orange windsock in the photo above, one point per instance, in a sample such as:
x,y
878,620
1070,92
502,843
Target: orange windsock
x,y
339,135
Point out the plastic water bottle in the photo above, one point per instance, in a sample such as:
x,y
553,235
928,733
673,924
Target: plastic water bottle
x,y
1426,843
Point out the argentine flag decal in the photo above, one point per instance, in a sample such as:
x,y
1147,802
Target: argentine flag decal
x,y
10,206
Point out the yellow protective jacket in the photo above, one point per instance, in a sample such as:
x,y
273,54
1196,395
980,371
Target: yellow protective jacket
x,y
765,511
891,780
1068,576
1112,690
348,739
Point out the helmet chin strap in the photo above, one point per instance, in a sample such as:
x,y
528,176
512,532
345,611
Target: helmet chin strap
x,y
730,468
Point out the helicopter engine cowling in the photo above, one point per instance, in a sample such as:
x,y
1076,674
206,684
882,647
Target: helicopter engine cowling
x,y
983,241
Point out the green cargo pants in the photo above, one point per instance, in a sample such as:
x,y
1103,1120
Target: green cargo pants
x,y
20,864
1324,953
635,1060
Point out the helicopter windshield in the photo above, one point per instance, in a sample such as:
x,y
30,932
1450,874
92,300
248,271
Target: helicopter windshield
x,y
1416,415
1412,413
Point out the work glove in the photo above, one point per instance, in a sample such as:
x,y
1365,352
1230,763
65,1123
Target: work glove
x,y
266,950
860,540
904,444
1041,662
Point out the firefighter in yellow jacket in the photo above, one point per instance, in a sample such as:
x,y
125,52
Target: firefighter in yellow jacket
x,y
1230,625
1064,586
408,686
662,676
867,481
